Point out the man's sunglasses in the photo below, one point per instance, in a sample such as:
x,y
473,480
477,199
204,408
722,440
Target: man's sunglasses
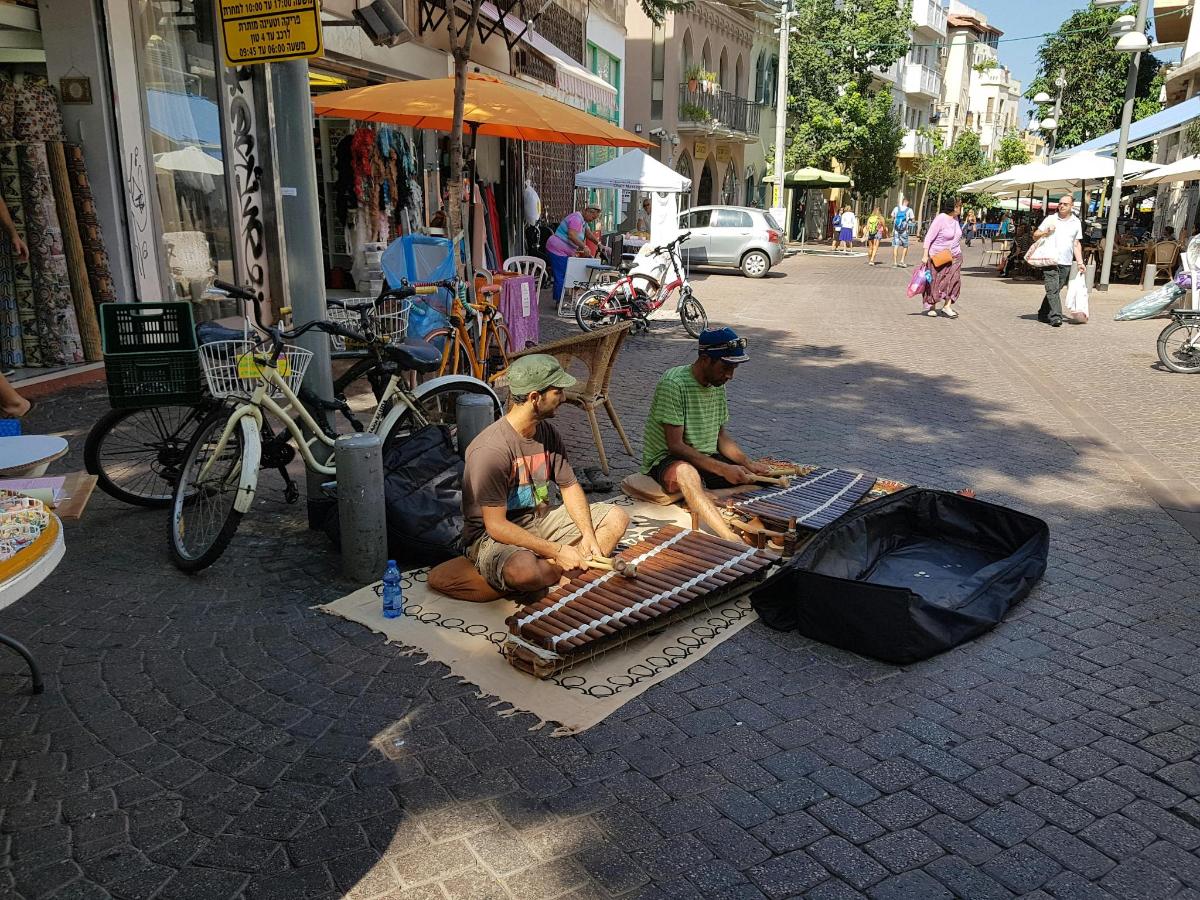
x,y
736,344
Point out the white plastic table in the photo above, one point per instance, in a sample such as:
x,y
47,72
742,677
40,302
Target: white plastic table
x,y
29,454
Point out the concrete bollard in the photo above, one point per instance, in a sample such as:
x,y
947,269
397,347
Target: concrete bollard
x,y
362,517
473,413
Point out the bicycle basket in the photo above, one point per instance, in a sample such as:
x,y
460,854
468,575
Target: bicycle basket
x,y
389,319
232,368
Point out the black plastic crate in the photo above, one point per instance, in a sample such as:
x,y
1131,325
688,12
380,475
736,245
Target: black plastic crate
x,y
150,354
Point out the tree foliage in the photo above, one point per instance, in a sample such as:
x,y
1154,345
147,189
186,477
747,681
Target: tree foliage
x,y
1011,151
949,168
1096,74
834,109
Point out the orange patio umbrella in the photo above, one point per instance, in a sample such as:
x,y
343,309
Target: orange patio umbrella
x,y
492,108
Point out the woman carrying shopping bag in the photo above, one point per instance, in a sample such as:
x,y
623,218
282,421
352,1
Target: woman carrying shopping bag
x,y
943,254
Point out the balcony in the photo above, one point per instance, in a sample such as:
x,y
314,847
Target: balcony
x,y
1172,19
922,80
889,74
717,112
915,144
929,16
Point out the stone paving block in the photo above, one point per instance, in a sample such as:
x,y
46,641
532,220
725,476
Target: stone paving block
x,y
789,875
966,879
960,839
1071,852
1117,836
1140,879
847,861
1007,824
904,850
910,886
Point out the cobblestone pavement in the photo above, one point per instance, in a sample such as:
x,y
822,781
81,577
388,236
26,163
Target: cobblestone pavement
x,y
211,737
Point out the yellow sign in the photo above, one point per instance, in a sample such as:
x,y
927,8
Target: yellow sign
x,y
701,150
723,153
251,367
259,31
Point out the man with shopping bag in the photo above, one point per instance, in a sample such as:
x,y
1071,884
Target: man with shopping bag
x,y
1063,236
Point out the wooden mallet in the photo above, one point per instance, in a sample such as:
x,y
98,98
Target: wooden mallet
x,y
620,566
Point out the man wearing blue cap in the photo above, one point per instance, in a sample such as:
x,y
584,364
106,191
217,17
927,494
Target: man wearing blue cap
x,y
687,447
515,538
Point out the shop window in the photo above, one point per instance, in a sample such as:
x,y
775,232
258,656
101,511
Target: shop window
x,y
179,71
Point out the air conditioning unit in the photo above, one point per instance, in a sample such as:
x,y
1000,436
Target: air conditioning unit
x,y
383,22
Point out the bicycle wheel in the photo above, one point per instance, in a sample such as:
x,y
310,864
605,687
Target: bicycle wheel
x,y
495,354
458,362
136,454
1177,348
693,316
438,402
594,310
203,517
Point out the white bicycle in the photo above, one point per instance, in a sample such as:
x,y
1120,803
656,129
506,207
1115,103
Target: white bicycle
x,y
220,470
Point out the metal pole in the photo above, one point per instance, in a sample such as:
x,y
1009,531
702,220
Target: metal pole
x,y
296,165
1114,208
781,100
362,517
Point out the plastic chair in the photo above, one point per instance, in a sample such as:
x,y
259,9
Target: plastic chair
x,y
597,351
528,265
996,252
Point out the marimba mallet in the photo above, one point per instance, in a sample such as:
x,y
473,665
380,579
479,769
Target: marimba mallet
x,y
623,567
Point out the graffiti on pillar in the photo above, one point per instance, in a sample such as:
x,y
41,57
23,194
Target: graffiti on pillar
x,y
247,180
139,208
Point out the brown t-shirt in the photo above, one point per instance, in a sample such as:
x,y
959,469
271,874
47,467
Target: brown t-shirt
x,y
505,469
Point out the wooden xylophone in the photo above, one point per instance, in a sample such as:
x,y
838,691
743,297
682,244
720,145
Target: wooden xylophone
x,y
812,501
677,571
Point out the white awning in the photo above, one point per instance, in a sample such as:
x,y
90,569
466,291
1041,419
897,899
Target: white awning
x,y
1167,121
634,171
570,77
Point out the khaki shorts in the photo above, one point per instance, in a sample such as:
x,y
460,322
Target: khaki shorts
x,y
490,557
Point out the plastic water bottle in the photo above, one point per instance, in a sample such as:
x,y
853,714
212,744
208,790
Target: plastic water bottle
x,y
393,592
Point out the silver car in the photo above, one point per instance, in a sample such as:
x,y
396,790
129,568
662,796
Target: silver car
x,y
732,236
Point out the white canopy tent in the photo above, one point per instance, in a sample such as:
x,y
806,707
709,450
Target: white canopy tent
x,y
637,171
1186,169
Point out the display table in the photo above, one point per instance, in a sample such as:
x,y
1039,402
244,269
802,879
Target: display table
x,y
29,454
21,574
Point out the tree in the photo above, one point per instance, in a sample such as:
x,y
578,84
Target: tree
x,y
462,25
1096,74
948,168
836,110
1011,151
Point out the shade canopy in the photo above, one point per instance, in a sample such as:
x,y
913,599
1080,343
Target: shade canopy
x,y
634,171
496,108
1017,178
1081,167
1152,127
189,159
810,177
1186,169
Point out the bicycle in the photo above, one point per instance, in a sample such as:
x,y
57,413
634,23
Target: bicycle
x,y
136,454
460,353
1179,342
637,295
219,476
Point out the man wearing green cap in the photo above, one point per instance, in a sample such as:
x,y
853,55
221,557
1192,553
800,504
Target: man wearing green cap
x,y
514,538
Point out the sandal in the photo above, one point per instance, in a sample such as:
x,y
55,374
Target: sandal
x,y
597,481
931,312
950,313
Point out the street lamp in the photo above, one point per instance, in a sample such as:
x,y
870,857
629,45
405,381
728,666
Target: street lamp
x,y
1050,123
1133,42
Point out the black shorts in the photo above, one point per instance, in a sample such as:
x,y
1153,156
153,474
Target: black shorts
x,y
708,478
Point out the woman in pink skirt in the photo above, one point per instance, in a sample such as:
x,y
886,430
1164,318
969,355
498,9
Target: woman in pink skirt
x,y
944,236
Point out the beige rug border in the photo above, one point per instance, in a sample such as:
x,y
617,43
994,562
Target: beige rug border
x,y
574,709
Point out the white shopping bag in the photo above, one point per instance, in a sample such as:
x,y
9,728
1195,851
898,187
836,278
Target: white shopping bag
x,y
1077,297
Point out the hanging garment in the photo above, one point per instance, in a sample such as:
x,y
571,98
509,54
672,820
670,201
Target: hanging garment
x,y
18,287
493,225
50,328
345,198
90,235
519,306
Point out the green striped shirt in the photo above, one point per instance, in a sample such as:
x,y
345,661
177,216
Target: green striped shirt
x,y
680,400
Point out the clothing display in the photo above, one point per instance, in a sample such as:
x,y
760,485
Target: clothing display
x,y
44,184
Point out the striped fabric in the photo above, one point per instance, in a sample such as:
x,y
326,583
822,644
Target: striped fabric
x,y
680,400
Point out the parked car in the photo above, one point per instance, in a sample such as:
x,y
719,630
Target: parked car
x,y
732,236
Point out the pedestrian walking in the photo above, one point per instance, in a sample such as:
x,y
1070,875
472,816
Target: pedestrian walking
x,y
901,225
943,254
849,226
969,227
1064,242
875,230
837,229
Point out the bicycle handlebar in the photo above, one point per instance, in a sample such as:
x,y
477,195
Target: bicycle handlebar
x,y
670,245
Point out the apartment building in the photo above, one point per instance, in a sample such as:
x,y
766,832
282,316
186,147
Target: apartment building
x,y
700,86
978,92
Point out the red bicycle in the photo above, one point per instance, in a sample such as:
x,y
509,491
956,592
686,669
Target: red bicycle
x,y
638,294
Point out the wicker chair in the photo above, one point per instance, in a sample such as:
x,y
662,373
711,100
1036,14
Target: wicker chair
x,y
597,351
1163,258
